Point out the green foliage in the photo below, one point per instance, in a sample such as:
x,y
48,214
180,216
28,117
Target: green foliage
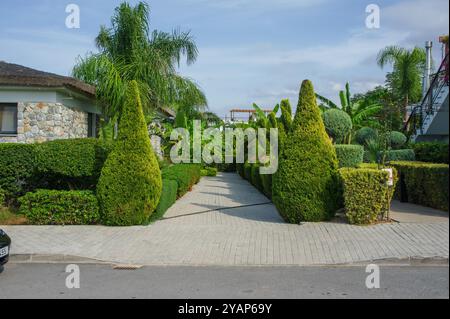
x,y
186,176
17,169
181,120
77,162
366,134
400,155
286,115
130,183
366,194
256,178
248,171
398,139
424,183
209,171
2,197
338,124
240,169
305,186
168,198
349,155
266,181
432,152
51,207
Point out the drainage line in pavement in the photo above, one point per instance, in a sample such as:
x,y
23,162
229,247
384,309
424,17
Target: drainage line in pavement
x,y
217,210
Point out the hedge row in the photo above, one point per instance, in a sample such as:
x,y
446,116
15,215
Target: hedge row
x,y
432,152
52,207
366,194
186,175
63,164
349,155
168,198
423,184
208,171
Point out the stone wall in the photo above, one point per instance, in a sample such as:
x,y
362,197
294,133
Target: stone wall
x,y
40,122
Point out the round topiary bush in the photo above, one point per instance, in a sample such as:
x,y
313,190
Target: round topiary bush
x,y
365,134
130,184
398,139
305,186
338,124
349,155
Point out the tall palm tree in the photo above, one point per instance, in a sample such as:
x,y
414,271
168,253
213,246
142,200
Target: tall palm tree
x,y
405,79
127,52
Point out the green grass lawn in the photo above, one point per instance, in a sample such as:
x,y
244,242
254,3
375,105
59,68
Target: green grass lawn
x,y
8,217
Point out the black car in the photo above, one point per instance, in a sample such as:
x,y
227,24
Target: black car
x,y
5,244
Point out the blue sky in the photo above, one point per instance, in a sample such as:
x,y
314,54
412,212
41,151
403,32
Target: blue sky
x,y
250,50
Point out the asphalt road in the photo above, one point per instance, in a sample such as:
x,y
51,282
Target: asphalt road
x,y
102,281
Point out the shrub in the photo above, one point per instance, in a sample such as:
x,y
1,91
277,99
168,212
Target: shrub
x,y
256,178
240,169
2,197
168,198
226,167
338,124
75,162
365,134
400,155
423,184
17,169
433,152
186,176
398,139
51,207
209,171
305,185
366,194
248,171
130,183
266,181
349,155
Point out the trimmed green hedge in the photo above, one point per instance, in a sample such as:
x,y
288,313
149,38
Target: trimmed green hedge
x,y
349,155
186,176
51,207
240,169
305,187
432,152
400,155
77,162
398,139
338,124
17,169
266,180
365,193
168,198
365,134
209,171
423,184
256,178
130,184
248,171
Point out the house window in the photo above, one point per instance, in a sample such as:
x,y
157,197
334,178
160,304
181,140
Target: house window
x,y
8,118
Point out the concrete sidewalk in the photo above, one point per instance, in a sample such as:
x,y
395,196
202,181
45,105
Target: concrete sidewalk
x,y
225,221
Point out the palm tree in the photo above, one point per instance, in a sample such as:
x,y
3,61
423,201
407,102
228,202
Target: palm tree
x,y
405,79
127,52
361,113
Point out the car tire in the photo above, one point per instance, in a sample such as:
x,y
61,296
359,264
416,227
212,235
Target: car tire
x,y
1,269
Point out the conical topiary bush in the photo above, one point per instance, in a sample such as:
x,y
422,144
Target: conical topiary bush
x,y
305,185
130,184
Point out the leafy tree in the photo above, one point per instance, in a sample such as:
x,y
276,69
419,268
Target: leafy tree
x,y
405,79
305,185
361,114
130,184
128,51
338,125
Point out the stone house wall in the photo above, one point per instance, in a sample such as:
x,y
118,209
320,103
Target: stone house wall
x,y
40,122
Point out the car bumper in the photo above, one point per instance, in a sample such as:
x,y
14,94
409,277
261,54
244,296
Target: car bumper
x,y
4,259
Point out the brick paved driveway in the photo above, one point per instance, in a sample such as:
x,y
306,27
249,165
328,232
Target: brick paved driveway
x,y
225,221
